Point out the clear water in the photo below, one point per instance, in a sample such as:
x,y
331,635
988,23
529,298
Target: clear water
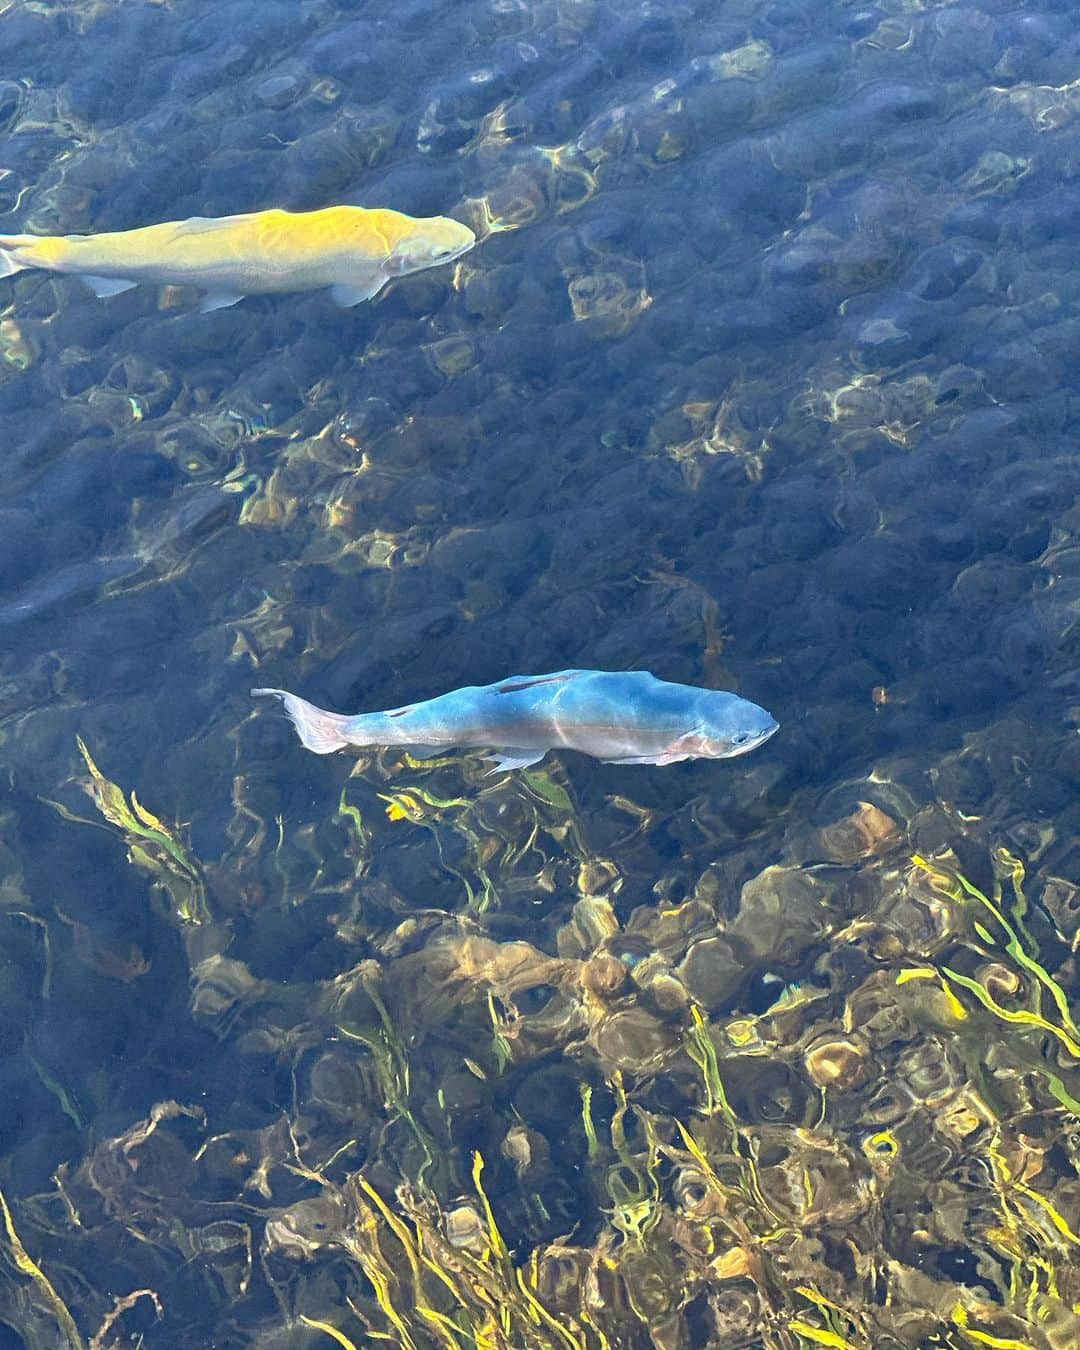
x,y
762,376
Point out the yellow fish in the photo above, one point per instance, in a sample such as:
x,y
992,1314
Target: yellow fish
x,y
352,250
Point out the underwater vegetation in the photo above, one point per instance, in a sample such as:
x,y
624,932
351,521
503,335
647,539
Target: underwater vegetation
x,y
761,379
836,1104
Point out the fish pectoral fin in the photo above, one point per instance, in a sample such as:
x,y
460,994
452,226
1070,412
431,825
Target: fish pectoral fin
x,y
106,286
347,295
513,757
218,300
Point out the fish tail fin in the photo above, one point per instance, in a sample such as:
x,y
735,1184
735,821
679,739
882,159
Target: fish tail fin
x,y
17,251
319,730
11,247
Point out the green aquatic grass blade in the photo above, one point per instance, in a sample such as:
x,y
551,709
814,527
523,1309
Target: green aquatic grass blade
x,y
26,1265
548,790
1018,1016
500,1045
330,1331
960,1321
151,844
442,1326
393,1072
700,1048
820,1336
592,1143
1013,946
53,1085
631,1183
1016,950
495,1237
1014,870
348,812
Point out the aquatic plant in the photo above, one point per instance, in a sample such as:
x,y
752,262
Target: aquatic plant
x,y
712,1217
1024,980
152,845
502,825
874,1158
44,1316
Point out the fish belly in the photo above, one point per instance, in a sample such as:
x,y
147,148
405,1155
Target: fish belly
x,y
467,718
615,743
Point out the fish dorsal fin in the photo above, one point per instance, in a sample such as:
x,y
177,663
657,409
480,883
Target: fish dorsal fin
x,y
207,224
516,683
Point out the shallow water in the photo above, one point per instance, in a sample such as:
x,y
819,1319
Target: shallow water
x,y
762,377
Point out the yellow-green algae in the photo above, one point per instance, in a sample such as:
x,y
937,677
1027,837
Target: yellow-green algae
x,y
152,845
809,1175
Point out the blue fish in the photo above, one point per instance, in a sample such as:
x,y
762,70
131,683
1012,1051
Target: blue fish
x,y
620,717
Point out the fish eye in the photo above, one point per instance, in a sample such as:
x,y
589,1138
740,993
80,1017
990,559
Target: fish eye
x,y
740,738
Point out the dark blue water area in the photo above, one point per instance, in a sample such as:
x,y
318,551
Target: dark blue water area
x,y
761,376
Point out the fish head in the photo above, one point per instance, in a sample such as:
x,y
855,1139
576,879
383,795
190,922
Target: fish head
x,y
731,726
431,243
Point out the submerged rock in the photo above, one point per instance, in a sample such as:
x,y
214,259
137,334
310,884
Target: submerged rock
x,y
604,977
633,1039
868,830
838,1064
464,1229
781,914
712,971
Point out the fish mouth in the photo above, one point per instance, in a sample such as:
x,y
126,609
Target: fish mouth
x,y
457,238
754,742
462,249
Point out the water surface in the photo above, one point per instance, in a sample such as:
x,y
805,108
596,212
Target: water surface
x,y
762,377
